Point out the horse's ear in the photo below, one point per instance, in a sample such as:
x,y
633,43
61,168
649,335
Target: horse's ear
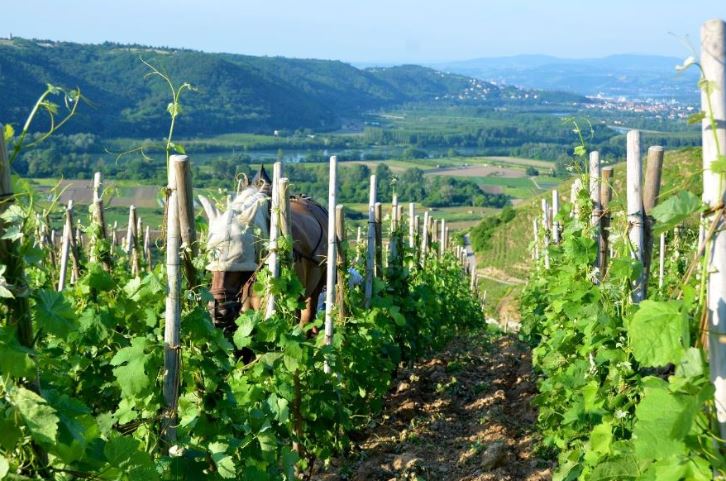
x,y
242,183
209,208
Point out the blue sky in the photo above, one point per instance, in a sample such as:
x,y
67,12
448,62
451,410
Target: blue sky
x,y
373,30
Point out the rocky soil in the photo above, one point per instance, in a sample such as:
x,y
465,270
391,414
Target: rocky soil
x,y
463,415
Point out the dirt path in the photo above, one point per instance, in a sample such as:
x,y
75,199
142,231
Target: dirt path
x,y
463,415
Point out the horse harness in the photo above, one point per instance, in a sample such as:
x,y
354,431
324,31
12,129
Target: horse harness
x,y
242,295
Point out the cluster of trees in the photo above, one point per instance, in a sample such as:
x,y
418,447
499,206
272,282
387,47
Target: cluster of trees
x,y
410,185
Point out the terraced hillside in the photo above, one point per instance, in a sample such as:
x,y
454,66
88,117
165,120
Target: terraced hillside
x,y
505,262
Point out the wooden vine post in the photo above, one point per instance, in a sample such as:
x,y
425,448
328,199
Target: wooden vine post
x,y
341,261
371,253
651,190
595,201
332,257
98,219
425,237
147,250
172,321
132,248
535,232
273,262
661,259
411,231
442,238
185,204
713,102
394,228
635,210
65,246
555,212
378,211
606,195
545,233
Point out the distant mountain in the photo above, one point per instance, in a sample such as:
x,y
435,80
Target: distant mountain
x,y
631,76
234,93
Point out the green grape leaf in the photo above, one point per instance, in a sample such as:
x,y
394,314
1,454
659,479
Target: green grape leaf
x,y
10,432
128,460
674,210
601,437
658,333
130,373
267,440
40,419
4,466
53,313
241,337
223,461
621,468
663,419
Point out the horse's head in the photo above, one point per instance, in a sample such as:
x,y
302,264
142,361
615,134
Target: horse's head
x,y
236,238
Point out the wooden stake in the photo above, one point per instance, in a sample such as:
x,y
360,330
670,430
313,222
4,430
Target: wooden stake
x,y
411,227
635,209
172,317
535,231
594,172
442,240
379,238
555,212
273,262
341,239
332,257
661,258
371,256
147,250
114,236
394,213
606,195
98,220
65,249
425,237
713,102
185,202
545,233
651,190
132,247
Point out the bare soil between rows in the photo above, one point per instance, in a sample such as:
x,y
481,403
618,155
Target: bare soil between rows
x,y
463,415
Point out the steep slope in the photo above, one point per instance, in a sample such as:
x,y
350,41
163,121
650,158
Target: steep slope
x,y
234,93
505,262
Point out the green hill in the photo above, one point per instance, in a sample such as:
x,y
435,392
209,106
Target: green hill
x,y
235,93
506,258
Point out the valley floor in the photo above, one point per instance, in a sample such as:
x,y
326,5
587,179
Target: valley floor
x,y
462,415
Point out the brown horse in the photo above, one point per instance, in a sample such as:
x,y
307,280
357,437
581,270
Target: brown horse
x,y
236,240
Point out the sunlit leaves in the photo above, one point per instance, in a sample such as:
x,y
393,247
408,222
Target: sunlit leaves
x,y
675,210
130,373
658,333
